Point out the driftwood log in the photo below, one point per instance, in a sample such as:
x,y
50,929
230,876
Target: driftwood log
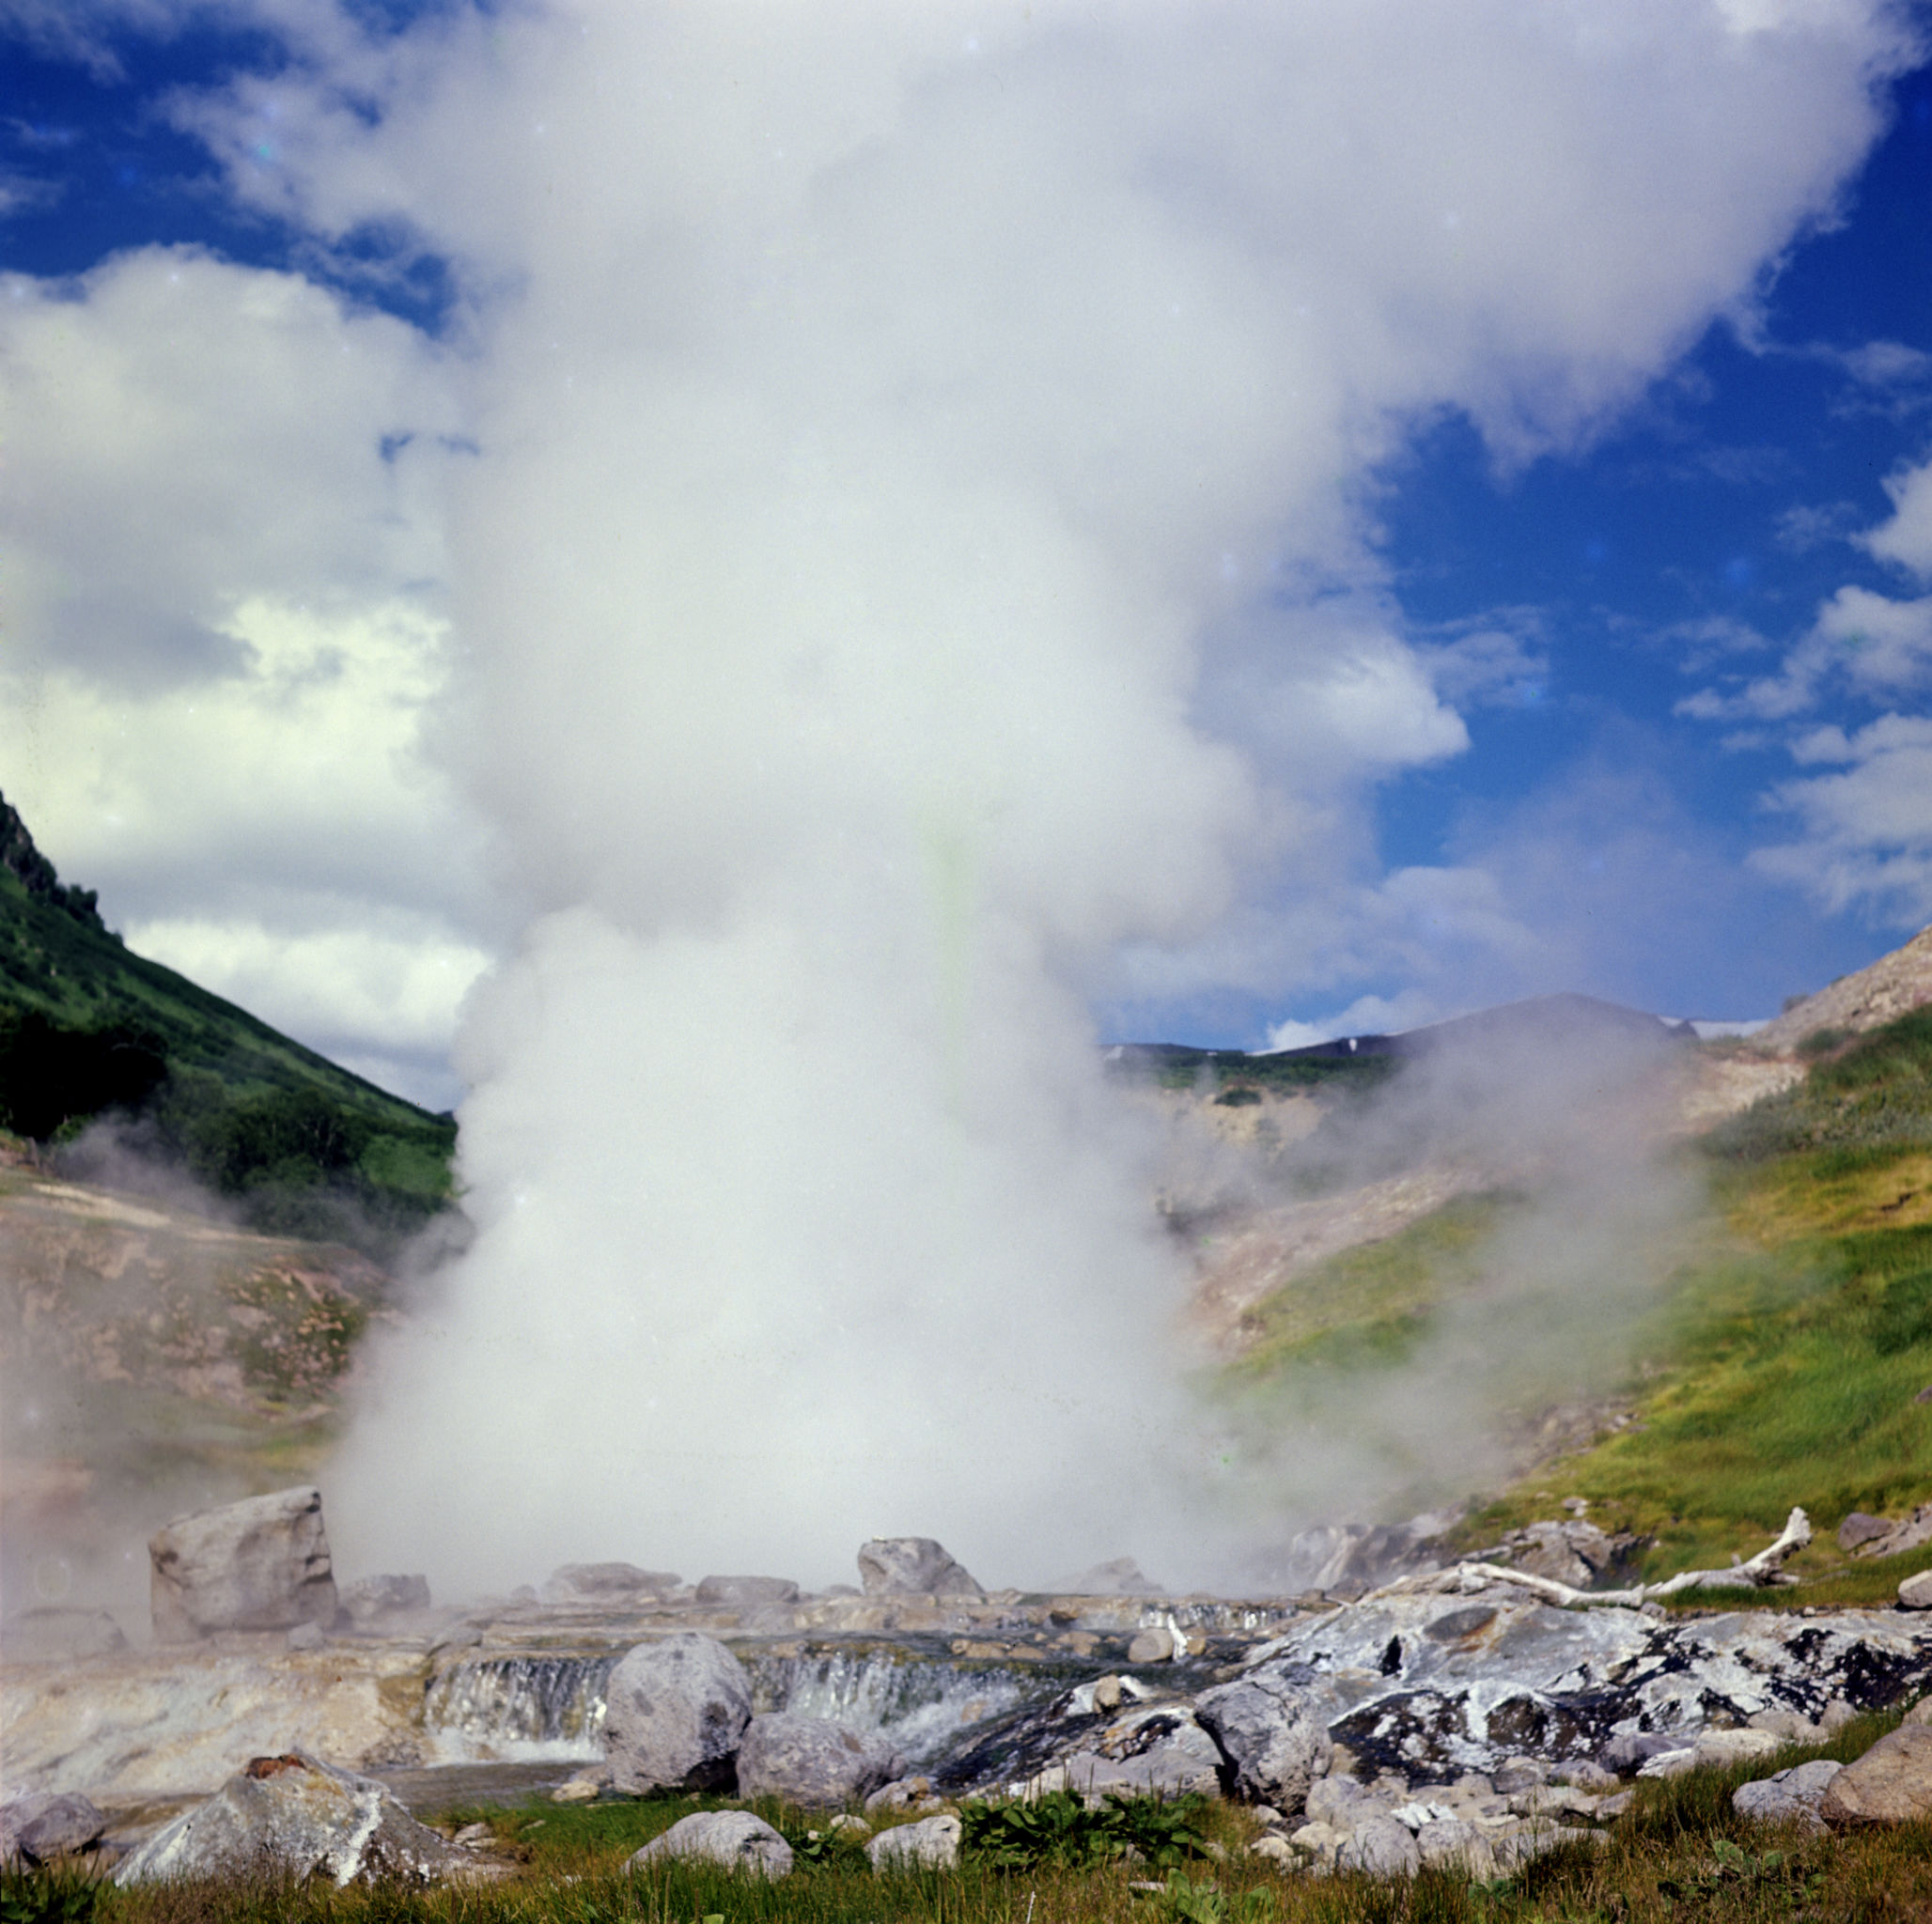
x,y
1758,1573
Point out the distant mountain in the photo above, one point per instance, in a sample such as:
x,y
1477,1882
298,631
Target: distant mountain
x,y
88,1029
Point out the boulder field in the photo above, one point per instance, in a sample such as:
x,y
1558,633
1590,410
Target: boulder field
x,y
1461,1717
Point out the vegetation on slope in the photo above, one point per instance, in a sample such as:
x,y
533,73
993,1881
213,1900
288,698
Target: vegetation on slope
x,y
1783,1356
87,1030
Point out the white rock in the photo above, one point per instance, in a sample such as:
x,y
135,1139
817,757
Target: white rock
x,y
931,1844
262,1564
736,1839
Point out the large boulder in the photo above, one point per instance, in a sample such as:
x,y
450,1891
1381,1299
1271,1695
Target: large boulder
x,y
260,1565
616,1584
675,1713
912,1566
1892,1783
735,1838
292,1817
37,1827
813,1762
1275,1744
371,1602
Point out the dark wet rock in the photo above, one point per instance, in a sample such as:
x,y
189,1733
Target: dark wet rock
x,y
746,1591
674,1711
1159,1752
912,1566
294,1817
1421,1684
50,1633
260,1565
37,1827
608,1583
372,1601
735,1838
813,1762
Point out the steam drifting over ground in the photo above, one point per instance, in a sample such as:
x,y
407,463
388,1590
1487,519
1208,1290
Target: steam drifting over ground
x,y
921,544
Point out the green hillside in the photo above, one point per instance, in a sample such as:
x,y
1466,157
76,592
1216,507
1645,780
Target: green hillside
x,y
88,1029
1785,1357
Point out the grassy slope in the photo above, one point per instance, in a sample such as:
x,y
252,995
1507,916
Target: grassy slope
x,y
1783,1355
79,978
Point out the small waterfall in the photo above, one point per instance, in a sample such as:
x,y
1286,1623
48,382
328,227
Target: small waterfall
x,y
921,1700
546,1707
519,1709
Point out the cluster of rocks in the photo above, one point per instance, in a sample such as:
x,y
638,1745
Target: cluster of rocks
x,y
1863,1535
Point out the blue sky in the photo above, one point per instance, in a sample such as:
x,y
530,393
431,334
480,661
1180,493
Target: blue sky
x,y
1652,669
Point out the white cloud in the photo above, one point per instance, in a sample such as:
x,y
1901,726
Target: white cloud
x,y
1907,537
1865,835
891,451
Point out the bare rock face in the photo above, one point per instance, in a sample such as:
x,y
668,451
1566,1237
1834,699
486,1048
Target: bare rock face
x,y
728,1590
675,1713
912,1566
296,1817
51,1633
374,1601
1276,1747
735,1838
1892,1783
260,1565
40,1825
813,1762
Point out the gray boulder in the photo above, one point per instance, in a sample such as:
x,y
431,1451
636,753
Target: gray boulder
x,y
1382,1847
51,1633
912,1566
37,1826
1892,1783
1788,1796
260,1565
813,1762
372,1601
1120,1577
1861,1526
675,1713
931,1844
608,1583
1159,1752
1275,1744
1915,1592
292,1817
733,1839
747,1590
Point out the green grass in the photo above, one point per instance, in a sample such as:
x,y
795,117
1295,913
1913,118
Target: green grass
x,y
1778,1363
1681,1852
1367,1305
305,1148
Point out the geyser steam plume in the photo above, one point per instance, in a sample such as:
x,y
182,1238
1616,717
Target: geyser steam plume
x,y
895,425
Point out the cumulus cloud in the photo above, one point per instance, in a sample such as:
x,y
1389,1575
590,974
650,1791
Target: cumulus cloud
x,y
1907,537
221,495
922,538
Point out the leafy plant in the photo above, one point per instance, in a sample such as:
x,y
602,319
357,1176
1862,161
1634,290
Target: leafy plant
x,y
1060,1828
1183,1901
48,1897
